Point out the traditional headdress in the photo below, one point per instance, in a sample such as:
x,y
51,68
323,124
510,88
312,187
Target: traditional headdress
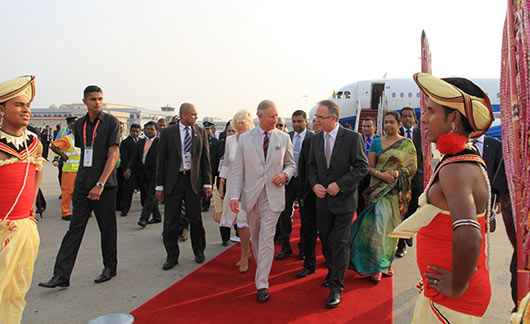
x,y
21,86
476,110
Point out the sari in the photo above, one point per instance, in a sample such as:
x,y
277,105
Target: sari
x,y
371,250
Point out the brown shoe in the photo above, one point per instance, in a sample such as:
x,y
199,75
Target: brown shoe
x,y
184,235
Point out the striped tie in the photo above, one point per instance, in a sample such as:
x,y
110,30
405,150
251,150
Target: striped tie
x,y
187,140
265,144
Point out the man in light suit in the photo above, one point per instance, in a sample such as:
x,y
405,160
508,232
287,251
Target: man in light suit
x,y
264,164
337,163
183,171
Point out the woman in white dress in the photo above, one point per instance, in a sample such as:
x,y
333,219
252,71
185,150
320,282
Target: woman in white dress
x,y
241,122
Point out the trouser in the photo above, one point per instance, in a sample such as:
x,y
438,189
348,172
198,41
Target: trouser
x,y
18,252
285,219
308,218
413,205
132,183
225,232
334,231
104,210
67,186
262,222
428,312
121,187
151,203
60,171
172,217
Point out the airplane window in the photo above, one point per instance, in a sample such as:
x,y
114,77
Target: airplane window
x,y
401,95
417,94
393,94
498,94
339,94
410,94
347,95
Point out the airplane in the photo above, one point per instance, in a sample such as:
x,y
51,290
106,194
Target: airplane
x,y
371,98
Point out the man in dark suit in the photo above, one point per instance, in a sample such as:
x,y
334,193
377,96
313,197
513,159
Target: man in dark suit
x,y
143,166
214,160
490,149
183,171
127,148
308,209
292,190
409,130
337,163
368,127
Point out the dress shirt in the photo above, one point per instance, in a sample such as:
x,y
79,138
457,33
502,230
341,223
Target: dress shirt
x,y
333,135
147,146
411,131
479,144
298,138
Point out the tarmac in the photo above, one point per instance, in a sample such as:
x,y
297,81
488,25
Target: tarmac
x,y
141,277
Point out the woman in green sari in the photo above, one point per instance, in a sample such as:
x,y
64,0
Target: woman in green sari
x,y
392,163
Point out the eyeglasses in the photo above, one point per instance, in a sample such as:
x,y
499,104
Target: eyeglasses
x,y
317,117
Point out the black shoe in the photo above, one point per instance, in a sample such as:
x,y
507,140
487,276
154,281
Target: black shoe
x,y
199,258
123,214
284,253
67,218
304,273
106,275
263,295
154,221
400,252
55,281
225,243
301,256
334,300
169,265
409,242
142,222
326,282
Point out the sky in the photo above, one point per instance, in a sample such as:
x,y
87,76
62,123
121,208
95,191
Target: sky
x,y
227,55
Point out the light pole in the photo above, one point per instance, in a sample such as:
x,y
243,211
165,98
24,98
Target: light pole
x,y
305,102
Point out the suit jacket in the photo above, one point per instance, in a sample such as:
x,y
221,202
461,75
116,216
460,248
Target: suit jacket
x,y
169,159
492,155
127,148
347,168
305,188
251,171
417,180
149,168
214,156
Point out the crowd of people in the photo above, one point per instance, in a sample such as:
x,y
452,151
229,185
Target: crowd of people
x,y
256,176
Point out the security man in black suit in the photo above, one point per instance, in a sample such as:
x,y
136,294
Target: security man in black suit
x,y
308,209
292,190
214,161
97,134
337,163
183,171
127,148
409,130
143,166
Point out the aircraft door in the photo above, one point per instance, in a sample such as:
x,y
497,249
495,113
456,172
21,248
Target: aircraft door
x,y
377,95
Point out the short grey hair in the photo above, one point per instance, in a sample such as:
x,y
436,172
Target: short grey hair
x,y
264,105
333,107
242,115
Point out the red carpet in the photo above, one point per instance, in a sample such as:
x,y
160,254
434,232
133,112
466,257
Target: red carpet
x,y
218,293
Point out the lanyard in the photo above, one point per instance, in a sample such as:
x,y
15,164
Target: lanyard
x,y
366,140
147,144
93,133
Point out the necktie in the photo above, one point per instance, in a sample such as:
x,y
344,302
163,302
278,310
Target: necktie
x,y
265,144
296,151
409,133
147,145
187,139
327,152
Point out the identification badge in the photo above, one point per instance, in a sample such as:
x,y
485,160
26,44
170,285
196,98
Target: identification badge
x,y
87,161
186,160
